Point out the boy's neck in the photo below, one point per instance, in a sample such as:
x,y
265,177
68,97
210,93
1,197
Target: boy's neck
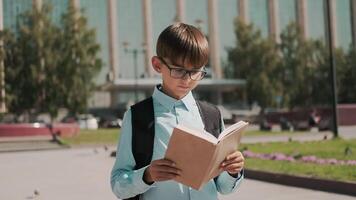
x,y
168,93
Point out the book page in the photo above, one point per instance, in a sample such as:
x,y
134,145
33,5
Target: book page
x,y
226,146
237,126
199,133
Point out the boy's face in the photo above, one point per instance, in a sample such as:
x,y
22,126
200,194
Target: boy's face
x,y
178,79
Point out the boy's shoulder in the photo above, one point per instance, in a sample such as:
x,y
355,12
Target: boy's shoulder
x,y
143,104
142,112
208,109
206,104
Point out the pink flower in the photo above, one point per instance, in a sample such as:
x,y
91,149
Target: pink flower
x,y
307,159
351,162
332,161
321,161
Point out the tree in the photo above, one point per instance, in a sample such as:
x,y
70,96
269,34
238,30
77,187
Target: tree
x,y
8,53
347,78
31,62
296,71
49,67
254,59
299,61
305,69
79,62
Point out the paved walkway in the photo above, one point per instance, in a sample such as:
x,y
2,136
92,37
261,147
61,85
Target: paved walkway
x,y
346,132
83,174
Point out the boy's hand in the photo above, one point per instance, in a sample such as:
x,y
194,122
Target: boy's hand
x,y
233,163
161,170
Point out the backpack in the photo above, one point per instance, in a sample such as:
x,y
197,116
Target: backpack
x,y
143,130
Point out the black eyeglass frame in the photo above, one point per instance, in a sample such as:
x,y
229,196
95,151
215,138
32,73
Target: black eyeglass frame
x,y
189,72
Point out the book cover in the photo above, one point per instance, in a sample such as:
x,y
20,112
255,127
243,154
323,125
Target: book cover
x,y
199,154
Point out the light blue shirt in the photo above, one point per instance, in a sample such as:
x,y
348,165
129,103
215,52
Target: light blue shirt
x,y
168,112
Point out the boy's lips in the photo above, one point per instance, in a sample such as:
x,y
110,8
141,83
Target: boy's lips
x,y
183,87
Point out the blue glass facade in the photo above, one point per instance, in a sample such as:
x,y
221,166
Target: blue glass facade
x,y
96,13
316,19
227,14
11,10
197,11
343,23
58,8
258,15
163,14
287,13
130,29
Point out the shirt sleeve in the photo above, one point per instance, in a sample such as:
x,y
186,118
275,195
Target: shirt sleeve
x,y
225,183
125,181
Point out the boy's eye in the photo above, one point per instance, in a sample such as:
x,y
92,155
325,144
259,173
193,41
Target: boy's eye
x,y
194,73
180,71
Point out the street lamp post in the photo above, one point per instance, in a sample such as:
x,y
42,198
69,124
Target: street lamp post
x,y
2,79
332,69
2,66
134,52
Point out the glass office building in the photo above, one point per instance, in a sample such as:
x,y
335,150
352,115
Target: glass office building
x,y
139,22
11,11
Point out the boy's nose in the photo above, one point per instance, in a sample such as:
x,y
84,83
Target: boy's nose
x,y
186,76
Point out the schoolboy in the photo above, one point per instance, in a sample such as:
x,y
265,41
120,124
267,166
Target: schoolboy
x,y
182,51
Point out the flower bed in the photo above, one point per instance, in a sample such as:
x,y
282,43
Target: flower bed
x,y
305,159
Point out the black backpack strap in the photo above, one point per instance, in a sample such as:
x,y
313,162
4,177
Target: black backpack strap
x,y
211,117
143,131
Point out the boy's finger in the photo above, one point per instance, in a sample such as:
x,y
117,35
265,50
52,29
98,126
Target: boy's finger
x,y
166,177
233,155
236,160
233,167
168,169
165,162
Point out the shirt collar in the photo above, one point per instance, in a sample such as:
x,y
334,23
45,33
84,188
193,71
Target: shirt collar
x,y
169,102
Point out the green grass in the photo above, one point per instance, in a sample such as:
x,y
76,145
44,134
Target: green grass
x,y
110,136
332,172
260,133
92,137
324,149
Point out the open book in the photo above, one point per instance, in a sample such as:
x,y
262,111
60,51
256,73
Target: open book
x,y
199,154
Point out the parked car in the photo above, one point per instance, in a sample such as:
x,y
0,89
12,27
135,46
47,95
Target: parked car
x,y
109,121
325,124
285,124
265,125
85,121
301,125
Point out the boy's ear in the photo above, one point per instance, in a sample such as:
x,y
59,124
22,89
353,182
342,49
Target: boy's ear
x,y
156,64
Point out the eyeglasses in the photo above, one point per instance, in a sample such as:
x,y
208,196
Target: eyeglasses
x,y
180,73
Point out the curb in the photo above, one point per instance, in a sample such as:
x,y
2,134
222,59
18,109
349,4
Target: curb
x,y
31,145
347,188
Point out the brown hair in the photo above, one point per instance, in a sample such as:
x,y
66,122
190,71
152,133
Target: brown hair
x,y
183,42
